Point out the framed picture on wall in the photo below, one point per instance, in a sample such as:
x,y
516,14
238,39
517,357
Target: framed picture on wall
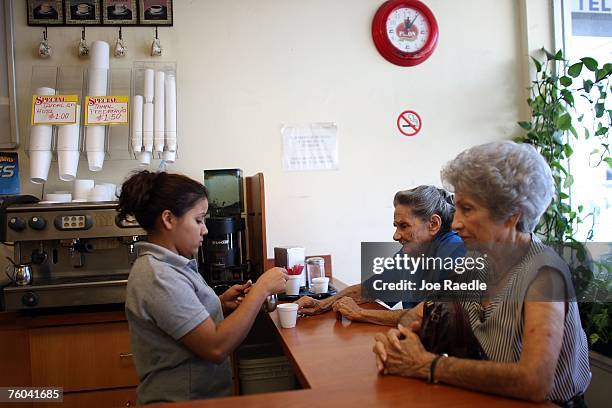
x,y
155,12
82,12
45,12
119,12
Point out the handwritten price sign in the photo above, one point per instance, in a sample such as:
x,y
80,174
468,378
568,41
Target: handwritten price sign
x,y
106,110
54,109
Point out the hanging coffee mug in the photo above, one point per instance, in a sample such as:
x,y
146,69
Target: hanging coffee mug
x,y
44,49
83,48
156,48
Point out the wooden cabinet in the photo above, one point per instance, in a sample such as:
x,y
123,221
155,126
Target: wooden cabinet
x,y
82,357
91,361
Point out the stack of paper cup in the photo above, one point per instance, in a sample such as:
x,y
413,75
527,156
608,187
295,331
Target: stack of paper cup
x,y
40,146
137,106
169,154
68,149
147,133
159,126
98,77
82,188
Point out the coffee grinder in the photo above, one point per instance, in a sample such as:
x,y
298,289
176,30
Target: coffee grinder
x,y
223,255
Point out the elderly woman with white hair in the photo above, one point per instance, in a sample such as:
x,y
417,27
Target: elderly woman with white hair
x,y
534,343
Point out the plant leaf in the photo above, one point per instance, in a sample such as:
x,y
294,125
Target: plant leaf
x,y
564,122
587,84
601,131
559,56
568,97
609,161
599,109
537,64
525,125
601,74
575,69
567,149
569,180
565,80
590,63
549,56
573,130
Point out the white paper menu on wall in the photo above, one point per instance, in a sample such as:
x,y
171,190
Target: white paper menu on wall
x,y
310,147
9,137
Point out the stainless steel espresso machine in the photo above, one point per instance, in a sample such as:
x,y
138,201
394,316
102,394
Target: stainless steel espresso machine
x,y
79,253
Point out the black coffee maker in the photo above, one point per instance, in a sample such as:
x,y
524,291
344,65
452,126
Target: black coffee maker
x,y
223,257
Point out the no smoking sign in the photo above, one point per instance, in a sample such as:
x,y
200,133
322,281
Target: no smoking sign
x,y
409,123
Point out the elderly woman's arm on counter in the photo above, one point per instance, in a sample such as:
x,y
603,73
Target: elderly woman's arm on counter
x,y
531,378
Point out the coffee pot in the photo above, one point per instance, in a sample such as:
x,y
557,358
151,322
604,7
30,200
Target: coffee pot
x,y
22,273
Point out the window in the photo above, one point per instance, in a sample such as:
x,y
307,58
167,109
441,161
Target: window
x,y
584,28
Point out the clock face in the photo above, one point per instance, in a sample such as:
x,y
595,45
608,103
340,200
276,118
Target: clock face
x,y
407,29
405,32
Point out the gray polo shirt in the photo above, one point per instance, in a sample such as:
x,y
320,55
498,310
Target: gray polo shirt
x,y
166,299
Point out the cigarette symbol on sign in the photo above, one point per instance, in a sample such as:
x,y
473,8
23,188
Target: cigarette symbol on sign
x,y
409,123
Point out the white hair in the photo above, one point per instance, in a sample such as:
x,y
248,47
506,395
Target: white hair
x,y
508,178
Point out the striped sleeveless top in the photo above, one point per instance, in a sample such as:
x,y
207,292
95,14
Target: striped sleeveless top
x,y
500,331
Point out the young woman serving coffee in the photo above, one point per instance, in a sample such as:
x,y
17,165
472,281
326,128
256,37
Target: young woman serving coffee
x,y
179,336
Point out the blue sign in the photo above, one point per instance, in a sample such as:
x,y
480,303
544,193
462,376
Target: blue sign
x,y
9,173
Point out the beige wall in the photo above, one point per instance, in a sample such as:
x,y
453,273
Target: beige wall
x,y
246,67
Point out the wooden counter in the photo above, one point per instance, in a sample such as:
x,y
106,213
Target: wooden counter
x,y
334,362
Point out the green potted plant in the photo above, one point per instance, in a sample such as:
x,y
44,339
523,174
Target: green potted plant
x,y
555,125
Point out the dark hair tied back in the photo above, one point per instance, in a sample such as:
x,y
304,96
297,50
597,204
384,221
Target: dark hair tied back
x,y
146,195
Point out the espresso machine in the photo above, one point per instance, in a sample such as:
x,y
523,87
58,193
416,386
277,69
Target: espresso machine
x,y
224,252
78,253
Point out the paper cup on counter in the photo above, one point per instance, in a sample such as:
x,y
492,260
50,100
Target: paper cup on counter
x,y
320,285
40,161
68,163
99,193
82,188
293,285
112,191
287,313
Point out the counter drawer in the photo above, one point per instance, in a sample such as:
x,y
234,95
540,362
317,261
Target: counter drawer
x,y
123,397
82,357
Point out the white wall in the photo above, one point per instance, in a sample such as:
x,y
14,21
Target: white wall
x,y
246,67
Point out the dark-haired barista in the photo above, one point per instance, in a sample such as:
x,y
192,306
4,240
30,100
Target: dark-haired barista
x,y
179,337
422,219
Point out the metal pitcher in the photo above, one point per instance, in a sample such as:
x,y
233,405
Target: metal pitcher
x,y
21,275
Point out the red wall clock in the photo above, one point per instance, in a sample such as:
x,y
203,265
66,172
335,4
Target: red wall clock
x,y
405,32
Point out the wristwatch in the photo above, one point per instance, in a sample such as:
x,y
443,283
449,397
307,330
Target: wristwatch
x,y
432,368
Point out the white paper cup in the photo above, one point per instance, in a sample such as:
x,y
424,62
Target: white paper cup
x,y
40,137
81,189
320,285
169,157
287,313
68,162
59,198
99,193
293,285
144,158
95,160
112,191
40,161
100,55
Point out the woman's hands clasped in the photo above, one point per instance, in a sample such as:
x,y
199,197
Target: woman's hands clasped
x,y
400,352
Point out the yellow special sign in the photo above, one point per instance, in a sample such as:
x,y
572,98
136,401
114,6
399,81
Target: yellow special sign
x,y
54,109
106,110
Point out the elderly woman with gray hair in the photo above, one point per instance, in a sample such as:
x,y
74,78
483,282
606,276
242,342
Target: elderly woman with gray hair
x,y
534,343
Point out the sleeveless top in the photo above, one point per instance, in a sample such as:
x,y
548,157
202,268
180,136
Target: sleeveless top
x,y
500,331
